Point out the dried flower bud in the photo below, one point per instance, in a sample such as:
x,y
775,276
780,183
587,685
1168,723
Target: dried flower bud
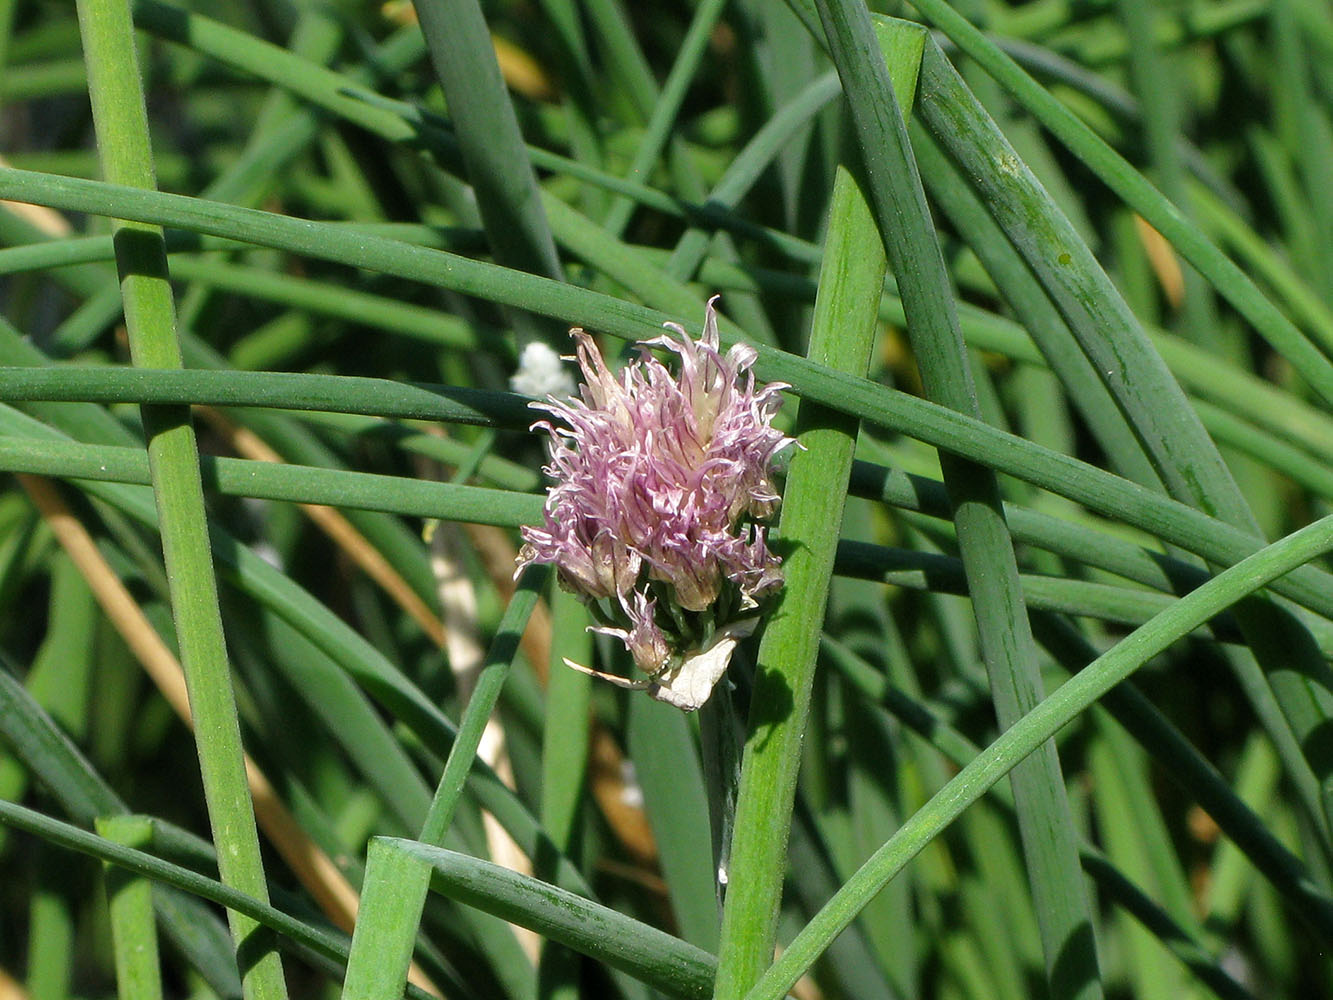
x,y
542,373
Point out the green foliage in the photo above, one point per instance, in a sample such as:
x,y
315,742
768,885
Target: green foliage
x,y
1061,517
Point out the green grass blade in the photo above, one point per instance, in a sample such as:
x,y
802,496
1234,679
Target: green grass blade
x,y
488,135
841,336
312,941
392,898
1265,262
130,900
1109,335
1229,281
1156,83
928,571
1192,773
1034,310
347,304
849,966
355,656
666,106
271,481
122,129
665,753
1134,836
749,164
349,98
347,715
1183,940
566,731
495,670
1007,647
48,754
939,427
902,568
51,933
1033,729
51,756
288,390
1296,697
1151,512
652,956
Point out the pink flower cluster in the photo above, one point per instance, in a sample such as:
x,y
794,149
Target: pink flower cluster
x,y
658,483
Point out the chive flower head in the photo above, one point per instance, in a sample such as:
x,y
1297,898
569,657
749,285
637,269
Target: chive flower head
x,y
661,483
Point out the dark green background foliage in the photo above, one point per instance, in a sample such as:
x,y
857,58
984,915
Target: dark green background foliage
x,y
1044,708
